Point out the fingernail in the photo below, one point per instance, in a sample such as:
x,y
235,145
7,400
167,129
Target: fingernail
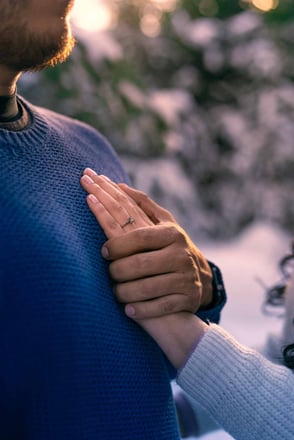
x,y
90,172
105,177
93,199
87,179
130,310
105,252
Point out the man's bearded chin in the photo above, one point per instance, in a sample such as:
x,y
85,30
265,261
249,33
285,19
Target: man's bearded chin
x,y
51,53
31,52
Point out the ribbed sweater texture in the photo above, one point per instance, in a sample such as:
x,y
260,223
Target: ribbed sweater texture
x,y
248,395
73,366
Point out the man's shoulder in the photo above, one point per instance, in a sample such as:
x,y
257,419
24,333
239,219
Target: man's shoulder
x,y
58,120
66,126
77,139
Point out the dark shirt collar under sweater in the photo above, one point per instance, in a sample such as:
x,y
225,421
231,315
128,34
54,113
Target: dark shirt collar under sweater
x,y
9,110
34,132
13,115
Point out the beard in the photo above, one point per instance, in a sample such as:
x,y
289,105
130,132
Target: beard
x,y
25,49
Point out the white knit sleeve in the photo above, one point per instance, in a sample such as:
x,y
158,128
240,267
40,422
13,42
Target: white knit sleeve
x,y
249,396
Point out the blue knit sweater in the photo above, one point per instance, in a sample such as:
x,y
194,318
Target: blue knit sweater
x,y
73,366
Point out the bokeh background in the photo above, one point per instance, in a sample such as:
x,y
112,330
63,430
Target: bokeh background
x,y
197,97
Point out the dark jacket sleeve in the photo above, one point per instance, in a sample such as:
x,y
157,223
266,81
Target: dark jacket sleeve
x,y
212,313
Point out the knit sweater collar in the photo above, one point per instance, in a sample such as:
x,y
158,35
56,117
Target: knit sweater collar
x,y
33,135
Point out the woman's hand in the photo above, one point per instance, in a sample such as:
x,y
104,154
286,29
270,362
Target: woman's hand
x,y
156,267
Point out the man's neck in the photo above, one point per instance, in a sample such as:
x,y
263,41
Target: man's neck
x,y
13,116
9,110
8,80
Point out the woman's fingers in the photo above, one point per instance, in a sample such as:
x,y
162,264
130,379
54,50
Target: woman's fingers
x,y
155,212
144,207
122,199
116,212
109,225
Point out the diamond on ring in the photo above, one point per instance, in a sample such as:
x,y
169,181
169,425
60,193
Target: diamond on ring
x,y
129,221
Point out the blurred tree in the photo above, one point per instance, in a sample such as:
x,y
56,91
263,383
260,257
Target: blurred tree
x,y
207,84
211,8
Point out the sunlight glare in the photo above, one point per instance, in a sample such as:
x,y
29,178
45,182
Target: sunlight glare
x,y
265,5
92,15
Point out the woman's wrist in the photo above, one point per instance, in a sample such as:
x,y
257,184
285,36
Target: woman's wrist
x,y
177,334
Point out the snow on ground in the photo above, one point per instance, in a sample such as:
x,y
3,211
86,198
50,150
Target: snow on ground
x,y
255,253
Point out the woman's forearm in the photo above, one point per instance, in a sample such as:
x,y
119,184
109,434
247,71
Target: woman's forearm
x,y
249,396
177,334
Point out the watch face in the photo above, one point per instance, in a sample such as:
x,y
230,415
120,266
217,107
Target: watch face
x,y
288,354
